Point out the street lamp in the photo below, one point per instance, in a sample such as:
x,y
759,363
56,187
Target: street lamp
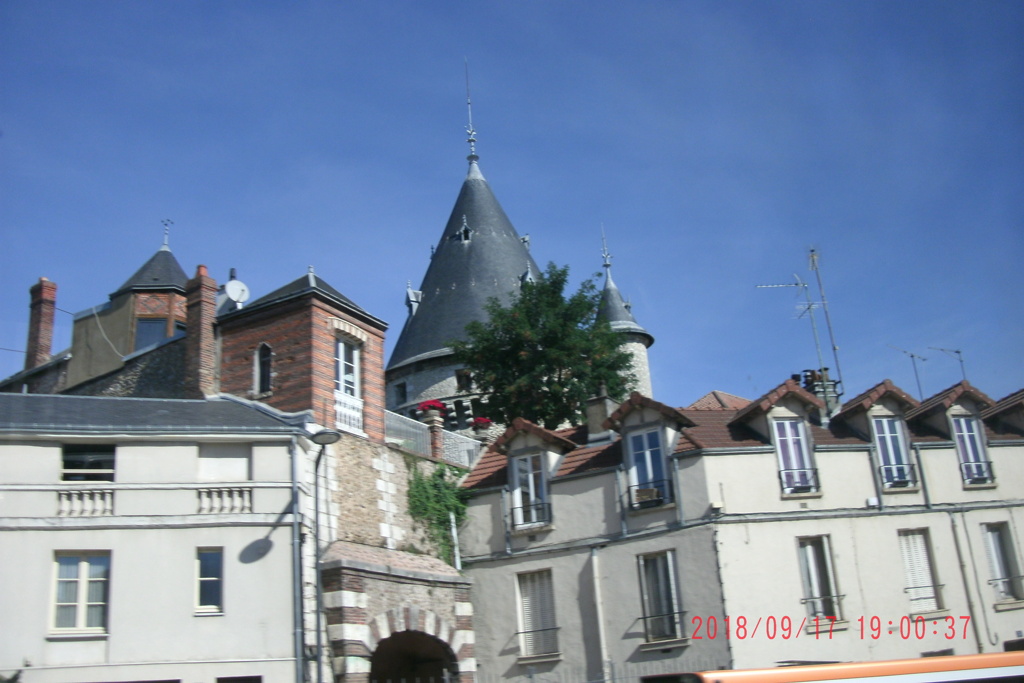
x,y
323,438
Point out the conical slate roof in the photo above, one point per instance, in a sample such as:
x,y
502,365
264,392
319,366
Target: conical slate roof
x,y
480,256
615,310
161,271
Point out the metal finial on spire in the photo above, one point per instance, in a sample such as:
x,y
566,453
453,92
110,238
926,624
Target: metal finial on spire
x,y
605,254
167,223
470,131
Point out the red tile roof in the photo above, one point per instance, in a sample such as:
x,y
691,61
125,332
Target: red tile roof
x,y
944,399
1005,404
874,394
637,400
719,400
765,403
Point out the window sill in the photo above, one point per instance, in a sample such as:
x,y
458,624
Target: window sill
x,y
664,645
802,496
824,625
642,509
524,660
900,489
530,529
1007,605
209,613
72,634
934,614
976,487
260,395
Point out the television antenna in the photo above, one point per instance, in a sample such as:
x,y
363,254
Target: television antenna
x,y
955,353
807,308
828,319
913,359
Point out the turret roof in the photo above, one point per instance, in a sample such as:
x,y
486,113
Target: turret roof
x,y
161,271
616,311
480,256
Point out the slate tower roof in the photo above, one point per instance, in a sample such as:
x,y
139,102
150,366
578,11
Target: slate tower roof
x,y
480,255
616,311
161,271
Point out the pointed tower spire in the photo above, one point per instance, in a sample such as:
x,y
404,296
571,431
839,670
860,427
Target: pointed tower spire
x,y
616,310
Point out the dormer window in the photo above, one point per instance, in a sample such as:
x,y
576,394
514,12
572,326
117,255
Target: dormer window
x,y
894,464
530,506
648,485
974,468
797,473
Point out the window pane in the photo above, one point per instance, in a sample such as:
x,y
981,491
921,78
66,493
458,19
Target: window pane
x,y
67,591
210,563
65,616
99,567
96,616
67,567
149,331
209,593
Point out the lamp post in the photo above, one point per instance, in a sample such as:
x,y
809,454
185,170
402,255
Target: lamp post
x,y
323,438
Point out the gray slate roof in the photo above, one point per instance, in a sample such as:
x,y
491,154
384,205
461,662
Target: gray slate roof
x,y
310,283
615,310
161,271
20,413
477,258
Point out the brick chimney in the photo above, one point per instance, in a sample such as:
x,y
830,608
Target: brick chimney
x,y
200,346
40,322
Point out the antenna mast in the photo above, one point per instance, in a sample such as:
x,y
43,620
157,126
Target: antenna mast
x,y
828,319
959,356
807,308
913,359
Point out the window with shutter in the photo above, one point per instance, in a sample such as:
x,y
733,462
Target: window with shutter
x,y
661,615
921,587
529,492
538,634
1002,563
649,487
796,469
820,594
973,465
893,462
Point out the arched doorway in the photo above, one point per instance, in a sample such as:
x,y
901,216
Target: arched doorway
x,y
412,656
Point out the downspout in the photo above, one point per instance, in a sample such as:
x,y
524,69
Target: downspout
x,y
506,521
620,501
299,633
599,607
963,577
680,517
924,480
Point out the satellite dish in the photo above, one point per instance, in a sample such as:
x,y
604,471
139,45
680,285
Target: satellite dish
x,y
236,291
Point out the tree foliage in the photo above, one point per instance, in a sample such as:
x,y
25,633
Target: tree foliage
x,y
432,500
544,355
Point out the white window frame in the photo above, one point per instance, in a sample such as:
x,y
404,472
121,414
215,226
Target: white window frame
x,y
922,586
529,491
893,457
649,480
970,447
538,634
209,579
1002,563
347,367
821,591
93,453
796,466
659,596
83,595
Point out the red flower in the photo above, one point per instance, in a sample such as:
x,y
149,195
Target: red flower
x,y
482,422
432,404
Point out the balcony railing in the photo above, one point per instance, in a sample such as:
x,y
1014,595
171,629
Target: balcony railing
x,y
348,412
224,500
801,480
667,626
542,641
924,598
650,494
823,605
898,476
85,502
977,472
531,515
1008,588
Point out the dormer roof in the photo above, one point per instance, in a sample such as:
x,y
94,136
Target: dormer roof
x,y
522,425
309,283
884,389
161,272
637,401
1014,401
790,388
480,256
944,399
719,400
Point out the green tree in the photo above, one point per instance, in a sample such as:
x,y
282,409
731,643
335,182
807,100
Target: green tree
x,y
544,355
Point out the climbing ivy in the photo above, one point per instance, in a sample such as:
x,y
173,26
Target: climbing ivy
x,y
431,498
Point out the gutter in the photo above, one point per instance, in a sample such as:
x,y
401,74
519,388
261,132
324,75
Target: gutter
x,y
299,637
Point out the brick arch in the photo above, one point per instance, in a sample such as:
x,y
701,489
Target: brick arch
x,y
400,619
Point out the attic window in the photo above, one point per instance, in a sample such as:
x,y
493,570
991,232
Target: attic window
x,y
464,232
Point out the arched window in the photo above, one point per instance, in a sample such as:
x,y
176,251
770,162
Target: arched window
x,y
264,375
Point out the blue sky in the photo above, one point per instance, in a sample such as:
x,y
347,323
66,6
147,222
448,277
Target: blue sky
x,y
716,142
